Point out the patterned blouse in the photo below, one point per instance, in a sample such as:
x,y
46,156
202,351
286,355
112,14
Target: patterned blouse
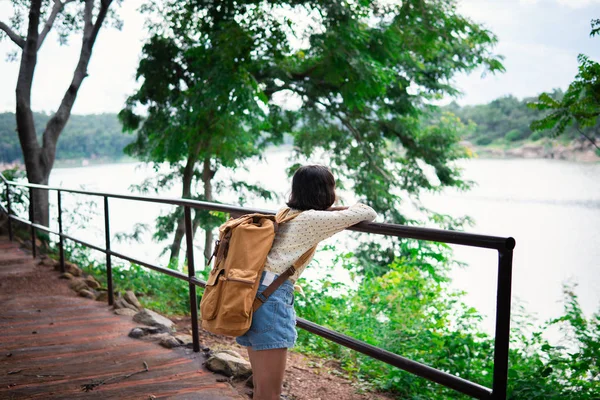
x,y
297,236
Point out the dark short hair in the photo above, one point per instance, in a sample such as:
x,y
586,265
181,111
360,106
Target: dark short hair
x,y
313,188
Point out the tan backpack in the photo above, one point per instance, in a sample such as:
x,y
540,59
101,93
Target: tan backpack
x,y
229,299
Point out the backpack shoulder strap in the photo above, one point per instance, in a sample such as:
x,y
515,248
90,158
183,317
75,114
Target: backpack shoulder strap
x,y
262,297
286,214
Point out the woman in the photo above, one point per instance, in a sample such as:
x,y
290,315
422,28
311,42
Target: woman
x,y
273,325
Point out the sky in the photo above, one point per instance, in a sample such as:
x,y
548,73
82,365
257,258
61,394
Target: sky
x,y
540,40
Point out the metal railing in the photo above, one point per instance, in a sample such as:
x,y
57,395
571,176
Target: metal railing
x,y
504,247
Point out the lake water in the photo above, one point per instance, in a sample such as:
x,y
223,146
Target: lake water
x,y
551,208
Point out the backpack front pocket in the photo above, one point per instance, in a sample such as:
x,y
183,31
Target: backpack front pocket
x,y
238,295
209,305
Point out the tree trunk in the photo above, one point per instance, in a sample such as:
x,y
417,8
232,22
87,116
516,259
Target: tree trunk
x,y
40,159
207,175
32,152
188,175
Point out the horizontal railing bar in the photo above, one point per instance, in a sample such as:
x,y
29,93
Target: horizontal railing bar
x,y
21,220
151,199
43,228
93,246
198,282
436,235
167,271
173,273
432,374
170,272
411,232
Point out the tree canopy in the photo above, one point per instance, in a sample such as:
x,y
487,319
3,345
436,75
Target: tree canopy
x,y
362,75
204,108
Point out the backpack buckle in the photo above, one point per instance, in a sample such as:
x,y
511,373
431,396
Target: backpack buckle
x,y
261,297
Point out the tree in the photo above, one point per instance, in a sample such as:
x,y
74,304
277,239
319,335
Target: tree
x,y
580,106
505,119
87,16
205,110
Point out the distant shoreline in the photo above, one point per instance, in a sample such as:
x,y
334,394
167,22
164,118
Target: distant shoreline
x,y
578,151
76,163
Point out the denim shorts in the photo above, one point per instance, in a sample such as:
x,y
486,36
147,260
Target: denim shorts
x,y
274,323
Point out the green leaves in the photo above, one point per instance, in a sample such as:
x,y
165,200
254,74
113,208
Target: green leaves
x,y
410,310
581,102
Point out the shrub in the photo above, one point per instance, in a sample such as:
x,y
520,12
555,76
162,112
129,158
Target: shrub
x,y
483,140
513,135
412,312
536,136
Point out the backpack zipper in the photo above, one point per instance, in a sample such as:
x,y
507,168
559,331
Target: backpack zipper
x,y
240,280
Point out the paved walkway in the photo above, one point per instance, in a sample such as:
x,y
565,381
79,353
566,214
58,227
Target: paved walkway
x,y
54,345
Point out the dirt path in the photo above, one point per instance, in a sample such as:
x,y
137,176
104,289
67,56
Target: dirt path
x,y
56,345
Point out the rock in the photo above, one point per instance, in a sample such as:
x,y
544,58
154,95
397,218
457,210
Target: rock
x,y
129,296
230,352
169,342
119,303
102,296
47,261
157,337
78,284
185,340
226,363
92,282
65,275
149,317
136,333
130,306
87,294
140,332
71,268
125,311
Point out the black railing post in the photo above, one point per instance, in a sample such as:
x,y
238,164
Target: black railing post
x,y
32,220
192,273
61,243
109,280
501,343
10,232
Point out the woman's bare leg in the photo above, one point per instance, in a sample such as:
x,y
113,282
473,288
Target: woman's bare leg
x,y
268,368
